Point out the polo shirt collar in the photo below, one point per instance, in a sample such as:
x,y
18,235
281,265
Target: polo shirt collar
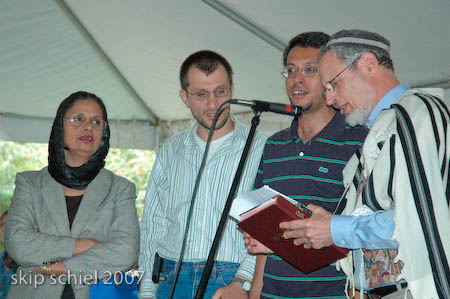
x,y
333,128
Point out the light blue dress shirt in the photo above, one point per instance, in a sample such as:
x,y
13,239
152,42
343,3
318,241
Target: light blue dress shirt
x,y
386,102
374,231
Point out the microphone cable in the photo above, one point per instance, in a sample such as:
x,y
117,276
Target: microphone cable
x,y
194,195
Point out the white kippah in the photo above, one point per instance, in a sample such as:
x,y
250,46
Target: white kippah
x,y
360,41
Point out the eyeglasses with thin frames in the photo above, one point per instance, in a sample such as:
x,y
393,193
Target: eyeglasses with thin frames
x,y
308,70
331,85
203,94
79,120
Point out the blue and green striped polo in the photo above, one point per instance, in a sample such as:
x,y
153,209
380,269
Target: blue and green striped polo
x,y
310,172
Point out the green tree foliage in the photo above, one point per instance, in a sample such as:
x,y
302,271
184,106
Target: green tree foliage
x,y
17,157
135,165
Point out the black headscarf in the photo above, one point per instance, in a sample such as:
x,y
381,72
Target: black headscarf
x,y
75,177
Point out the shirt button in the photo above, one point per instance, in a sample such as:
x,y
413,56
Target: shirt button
x,y
301,154
343,242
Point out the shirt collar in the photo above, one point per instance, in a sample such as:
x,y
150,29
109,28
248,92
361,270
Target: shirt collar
x,y
386,101
293,129
333,128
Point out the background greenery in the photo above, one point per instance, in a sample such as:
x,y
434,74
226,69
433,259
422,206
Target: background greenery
x,y
135,165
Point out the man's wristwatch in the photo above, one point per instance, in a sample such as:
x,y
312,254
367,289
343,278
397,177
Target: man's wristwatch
x,y
245,284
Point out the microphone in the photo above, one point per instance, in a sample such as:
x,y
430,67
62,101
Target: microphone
x,y
268,106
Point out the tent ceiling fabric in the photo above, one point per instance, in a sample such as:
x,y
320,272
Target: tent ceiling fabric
x,y
130,51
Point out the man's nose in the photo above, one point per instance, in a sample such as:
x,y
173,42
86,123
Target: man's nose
x,y
211,101
299,77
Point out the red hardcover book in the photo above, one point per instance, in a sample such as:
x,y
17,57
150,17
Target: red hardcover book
x,y
262,223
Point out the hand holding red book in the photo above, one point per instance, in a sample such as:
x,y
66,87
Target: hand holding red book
x,y
262,223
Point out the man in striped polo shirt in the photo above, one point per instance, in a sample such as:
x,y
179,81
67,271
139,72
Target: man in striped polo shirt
x,y
397,188
305,162
206,80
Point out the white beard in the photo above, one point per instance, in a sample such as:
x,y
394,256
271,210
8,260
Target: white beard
x,y
359,116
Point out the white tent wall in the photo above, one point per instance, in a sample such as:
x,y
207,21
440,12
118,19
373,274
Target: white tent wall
x,y
135,134
269,123
127,134
129,53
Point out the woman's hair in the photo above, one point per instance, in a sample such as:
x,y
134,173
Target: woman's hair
x,y
75,177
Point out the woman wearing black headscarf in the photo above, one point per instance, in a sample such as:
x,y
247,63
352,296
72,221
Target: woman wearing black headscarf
x,y
73,222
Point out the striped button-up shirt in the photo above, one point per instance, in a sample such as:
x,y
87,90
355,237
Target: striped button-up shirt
x,y
168,198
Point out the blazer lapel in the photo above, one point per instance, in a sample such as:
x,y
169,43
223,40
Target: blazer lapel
x,y
53,194
95,194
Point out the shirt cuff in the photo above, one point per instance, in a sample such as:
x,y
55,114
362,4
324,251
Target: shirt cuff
x,y
247,267
147,289
341,232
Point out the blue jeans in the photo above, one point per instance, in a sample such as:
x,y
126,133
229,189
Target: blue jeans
x,y
127,288
190,276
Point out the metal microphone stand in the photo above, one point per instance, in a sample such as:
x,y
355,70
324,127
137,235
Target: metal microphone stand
x,y
237,177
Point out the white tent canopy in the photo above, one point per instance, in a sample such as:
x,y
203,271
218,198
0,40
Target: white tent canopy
x,y
129,53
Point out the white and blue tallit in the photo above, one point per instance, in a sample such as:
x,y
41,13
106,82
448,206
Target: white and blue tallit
x,y
404,165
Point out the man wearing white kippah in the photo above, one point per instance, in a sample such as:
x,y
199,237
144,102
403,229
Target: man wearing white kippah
x,y
394,211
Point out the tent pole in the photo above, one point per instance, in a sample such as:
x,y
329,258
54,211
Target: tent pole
x,y
264,35
154,121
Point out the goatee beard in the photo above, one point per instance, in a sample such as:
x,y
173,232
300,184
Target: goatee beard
x,y
218,125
